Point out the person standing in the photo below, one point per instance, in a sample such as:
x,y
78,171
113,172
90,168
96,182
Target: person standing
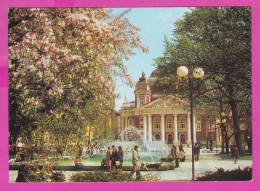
x,y
176,157
173,153
197,152
181,148
232,151
120,158
108,159
235,154
114,157
135,161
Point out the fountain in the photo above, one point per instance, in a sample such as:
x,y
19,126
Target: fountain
x,y
151,152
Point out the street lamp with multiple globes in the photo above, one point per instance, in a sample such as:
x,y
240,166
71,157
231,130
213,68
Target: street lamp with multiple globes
x,y
198,73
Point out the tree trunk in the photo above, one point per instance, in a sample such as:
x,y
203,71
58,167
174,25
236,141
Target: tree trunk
x,y
233,105
226,142
222,139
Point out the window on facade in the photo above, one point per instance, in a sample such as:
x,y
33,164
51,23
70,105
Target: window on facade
x,y
198,122
182,122
130,122
141,122
169,123
157,123
182,139
141,103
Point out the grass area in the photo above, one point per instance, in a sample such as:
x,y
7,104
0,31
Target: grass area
x,y
247,156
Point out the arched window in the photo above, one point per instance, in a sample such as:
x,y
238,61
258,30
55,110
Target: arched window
x,y
157,137
183,138
141,100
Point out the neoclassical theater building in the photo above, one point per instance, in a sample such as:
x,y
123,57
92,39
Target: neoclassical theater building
x,y
161,117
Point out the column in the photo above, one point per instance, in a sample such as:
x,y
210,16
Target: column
x,y
121,123
125,122
149,128
162,128
194,129
188,130
145,127
176,141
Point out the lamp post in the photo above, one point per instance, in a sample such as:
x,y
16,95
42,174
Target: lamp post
x,y
198,73
210,140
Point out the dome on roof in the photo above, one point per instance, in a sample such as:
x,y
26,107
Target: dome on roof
x,y
142,78
154,73
142,83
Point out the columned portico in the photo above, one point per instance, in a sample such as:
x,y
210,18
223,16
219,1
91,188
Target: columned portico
x,y
162,128
149,127
164,117
188,130
145,127
176,141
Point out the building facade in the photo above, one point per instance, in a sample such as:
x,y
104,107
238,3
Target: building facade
x,y
161,117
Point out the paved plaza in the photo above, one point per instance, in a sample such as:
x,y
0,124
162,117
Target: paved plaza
x,y
208,162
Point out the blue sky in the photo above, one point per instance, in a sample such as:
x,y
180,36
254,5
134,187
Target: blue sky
x,y
154,23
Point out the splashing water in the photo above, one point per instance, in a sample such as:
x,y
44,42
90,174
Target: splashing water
x,y
131,136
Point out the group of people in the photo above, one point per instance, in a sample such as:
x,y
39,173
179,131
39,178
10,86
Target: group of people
x,y
114,158
177,154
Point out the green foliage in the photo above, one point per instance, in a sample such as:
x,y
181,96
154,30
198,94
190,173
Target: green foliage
x,y
58,176
37,176
229,175
62,64
217,39
101,176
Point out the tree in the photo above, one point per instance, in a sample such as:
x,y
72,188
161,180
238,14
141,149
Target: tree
x,y
217,39
65,55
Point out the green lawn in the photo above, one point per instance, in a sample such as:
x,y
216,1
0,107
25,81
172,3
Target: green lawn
x,y
247,156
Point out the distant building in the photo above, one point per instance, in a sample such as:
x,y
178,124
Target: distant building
x,y
161,117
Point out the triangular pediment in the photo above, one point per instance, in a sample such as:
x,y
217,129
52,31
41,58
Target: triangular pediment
x,y
167,102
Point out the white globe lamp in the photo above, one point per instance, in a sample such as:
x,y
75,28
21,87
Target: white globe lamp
x,y
198,73
182,71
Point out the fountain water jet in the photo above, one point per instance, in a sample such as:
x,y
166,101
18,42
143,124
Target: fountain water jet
x,y
129,137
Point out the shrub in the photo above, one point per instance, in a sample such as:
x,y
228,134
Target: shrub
x,y
58,176
101,176
229,175
37,176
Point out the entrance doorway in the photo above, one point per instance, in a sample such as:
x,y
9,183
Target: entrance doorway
x,y
182,139
170,139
